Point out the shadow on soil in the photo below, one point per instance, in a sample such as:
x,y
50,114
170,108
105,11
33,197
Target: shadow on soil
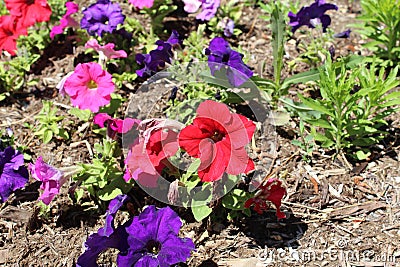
x,y
266,230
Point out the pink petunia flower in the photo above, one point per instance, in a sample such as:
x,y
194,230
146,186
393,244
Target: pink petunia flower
x,y
52,179
140,4
89,86
218,137
29,12
114,126
66,21
158,140
105,50
271,191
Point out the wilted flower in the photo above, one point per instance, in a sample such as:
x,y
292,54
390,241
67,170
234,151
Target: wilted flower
x,y
218,137
228,25
272,191
146,159
10,29
140,4
157,58
29,12
106,50
345,34
52,179
208,8
13,174
66,21
312,15
220,54
101,17
89,86
114,126
150,239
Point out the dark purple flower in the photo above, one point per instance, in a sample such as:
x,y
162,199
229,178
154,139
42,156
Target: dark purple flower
x,y
103,16
113,207
150,239
13,175
107,236
157,58
312,15
345,34
219,54
209,9
96,244
153,240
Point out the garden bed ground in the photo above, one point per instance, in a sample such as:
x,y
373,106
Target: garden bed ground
x,y
350,218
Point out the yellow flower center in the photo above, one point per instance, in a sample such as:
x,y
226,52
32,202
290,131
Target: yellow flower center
x,y
92,84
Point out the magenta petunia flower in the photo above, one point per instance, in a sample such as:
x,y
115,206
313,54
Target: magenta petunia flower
x,y
140,4
114,126
89,86
106,50
66,21
52,179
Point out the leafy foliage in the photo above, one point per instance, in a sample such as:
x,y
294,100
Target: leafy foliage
x,y
102,178
49,123
352,107
381,27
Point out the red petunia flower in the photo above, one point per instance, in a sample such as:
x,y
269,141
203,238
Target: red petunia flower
x,y
146,160
272,191
218,137
29,11
10,30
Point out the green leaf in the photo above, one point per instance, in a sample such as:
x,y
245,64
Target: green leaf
x,y
201,212
278,39
361,155
315,105
83,115
235,199
302,77
47,136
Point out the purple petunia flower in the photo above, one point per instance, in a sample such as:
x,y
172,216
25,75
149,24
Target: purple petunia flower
x,y
219,54
153,240
345,34
103,16
13,175
52,179
312,15
157,58
150,239
208,8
